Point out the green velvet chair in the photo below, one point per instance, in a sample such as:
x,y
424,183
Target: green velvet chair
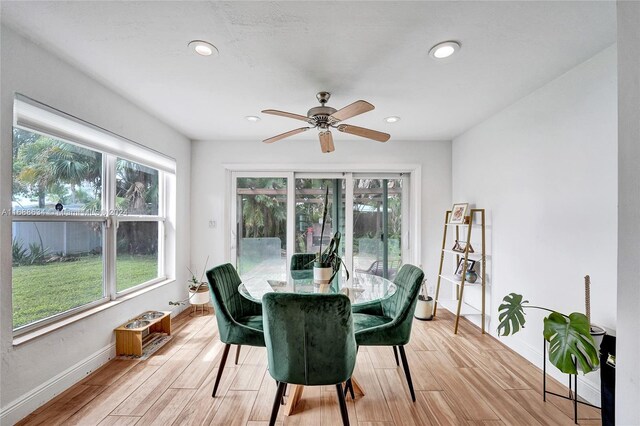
x,y
310,342
239,320
388,322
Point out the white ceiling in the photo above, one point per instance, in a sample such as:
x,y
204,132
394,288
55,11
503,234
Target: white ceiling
x,y
279,54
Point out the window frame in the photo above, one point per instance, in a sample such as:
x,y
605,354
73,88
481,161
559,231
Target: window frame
x,y
107,217
411,199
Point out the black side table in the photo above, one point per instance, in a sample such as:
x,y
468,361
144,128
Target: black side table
x,y
573,390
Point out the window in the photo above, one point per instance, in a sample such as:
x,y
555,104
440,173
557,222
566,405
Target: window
x,y
88,223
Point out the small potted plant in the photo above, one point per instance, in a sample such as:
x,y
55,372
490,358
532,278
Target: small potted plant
x,y
574,343
328,261
198,289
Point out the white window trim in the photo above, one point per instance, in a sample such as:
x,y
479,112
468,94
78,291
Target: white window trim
x,y
35,117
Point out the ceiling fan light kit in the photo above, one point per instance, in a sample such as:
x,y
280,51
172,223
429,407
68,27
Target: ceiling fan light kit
x,y
324,118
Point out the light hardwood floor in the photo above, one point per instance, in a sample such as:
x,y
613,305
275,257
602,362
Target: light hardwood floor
x,y
465,379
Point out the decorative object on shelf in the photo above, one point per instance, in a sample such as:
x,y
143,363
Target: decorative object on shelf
x,y
424,307
467,220
460,267
471,276
328,261
462,235
461,246
458,213
570,342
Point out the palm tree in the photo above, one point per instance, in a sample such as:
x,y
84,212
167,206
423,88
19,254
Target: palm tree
x,y
263,215
45,164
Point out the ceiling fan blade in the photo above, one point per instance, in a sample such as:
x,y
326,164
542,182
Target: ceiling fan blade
x,y
365,133
356,108
326,141
286,134
287,114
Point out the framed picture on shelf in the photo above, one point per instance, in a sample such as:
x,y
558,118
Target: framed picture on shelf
x,y
458,212
461,246
460,267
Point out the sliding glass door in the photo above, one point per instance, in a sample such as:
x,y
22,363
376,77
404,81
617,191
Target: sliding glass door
x,y
311,233
277,215
377,225
261,226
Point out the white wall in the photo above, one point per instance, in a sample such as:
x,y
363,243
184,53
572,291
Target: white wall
x,y
628,332
545,168
208,183
33,372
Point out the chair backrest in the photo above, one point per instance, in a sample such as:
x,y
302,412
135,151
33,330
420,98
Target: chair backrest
x,y
309,337
302,261
402,304
227,301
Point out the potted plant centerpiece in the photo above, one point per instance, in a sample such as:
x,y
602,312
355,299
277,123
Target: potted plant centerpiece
x,y
327,262
574,343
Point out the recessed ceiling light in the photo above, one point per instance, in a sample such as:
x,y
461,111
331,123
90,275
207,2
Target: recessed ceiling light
x,y
203,48
252,118
392,119
444,49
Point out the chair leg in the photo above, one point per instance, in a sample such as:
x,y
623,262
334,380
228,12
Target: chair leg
x,y
395,353
407,373
225,353
343,405
276,403
238,353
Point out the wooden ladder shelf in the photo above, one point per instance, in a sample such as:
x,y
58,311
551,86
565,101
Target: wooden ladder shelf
x,y
457,305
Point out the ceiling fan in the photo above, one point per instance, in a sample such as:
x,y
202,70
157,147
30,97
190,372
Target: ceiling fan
x,y
324,117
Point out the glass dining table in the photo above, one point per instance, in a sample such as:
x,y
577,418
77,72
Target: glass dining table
x,y
360,288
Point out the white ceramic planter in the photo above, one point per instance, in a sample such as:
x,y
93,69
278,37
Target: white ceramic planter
x,y
322,275
597,333
201,297
424,309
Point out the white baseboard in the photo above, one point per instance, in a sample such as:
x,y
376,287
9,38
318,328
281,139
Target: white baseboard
x,y
587,389
30,401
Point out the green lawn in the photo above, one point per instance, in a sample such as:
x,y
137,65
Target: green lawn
x,y
40,291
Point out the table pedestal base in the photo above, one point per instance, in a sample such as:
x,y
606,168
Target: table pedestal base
x,y
295,394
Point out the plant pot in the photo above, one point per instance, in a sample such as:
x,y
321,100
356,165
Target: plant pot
x,y
199,296
322,273
597,333
424,308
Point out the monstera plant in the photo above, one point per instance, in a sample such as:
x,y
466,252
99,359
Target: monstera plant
x,y
569,336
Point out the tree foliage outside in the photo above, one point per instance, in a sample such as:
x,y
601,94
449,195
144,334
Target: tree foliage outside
x,y
264,214
367,213
49,171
